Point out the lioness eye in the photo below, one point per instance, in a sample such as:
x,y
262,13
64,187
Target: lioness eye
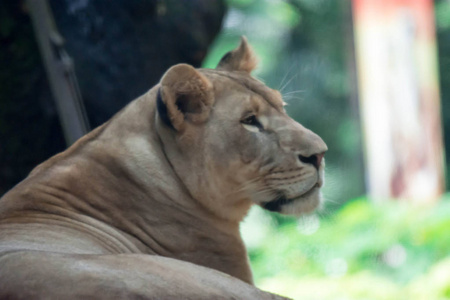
x,y
252,121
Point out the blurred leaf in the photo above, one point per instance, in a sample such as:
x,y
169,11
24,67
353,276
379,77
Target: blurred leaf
x,y
442,10
283,13
240,3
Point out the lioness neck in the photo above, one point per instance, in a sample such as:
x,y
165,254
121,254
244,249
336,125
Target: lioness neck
x,y
119,175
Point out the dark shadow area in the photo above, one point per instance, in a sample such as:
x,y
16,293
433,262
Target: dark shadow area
x,y
120,49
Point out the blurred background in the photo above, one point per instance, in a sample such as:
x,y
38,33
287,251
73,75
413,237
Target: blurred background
x,y
371,77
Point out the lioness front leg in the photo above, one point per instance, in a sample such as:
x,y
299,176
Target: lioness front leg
x,y
44,275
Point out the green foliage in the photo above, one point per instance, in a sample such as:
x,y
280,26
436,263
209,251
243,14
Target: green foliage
x,y
442,11
389,250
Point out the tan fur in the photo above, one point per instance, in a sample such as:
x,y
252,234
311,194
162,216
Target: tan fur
x,y
142,208
241,59
183,80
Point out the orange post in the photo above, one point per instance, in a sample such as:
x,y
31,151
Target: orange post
x,y
399,98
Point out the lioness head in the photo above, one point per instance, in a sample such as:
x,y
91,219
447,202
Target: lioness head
x,y
231,142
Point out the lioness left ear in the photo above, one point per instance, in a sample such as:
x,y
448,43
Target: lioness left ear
x,y
185,96
240,59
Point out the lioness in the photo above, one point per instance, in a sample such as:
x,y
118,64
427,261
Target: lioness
x,y
148,205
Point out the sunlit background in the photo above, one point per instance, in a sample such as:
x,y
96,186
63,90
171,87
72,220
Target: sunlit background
x,y
371,77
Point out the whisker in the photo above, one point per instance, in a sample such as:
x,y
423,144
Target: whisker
x,y
264,195
323,212
289,99
286,84
294,92
265,190
292,95
244,186
285,76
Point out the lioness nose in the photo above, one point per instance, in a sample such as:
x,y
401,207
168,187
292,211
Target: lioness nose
x,y
315,159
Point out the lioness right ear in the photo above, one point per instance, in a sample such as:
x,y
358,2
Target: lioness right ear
x,y
185,96
240,59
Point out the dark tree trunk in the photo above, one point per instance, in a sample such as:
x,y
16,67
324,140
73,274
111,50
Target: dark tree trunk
x,y
120,49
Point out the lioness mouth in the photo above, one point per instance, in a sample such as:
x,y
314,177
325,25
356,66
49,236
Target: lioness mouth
x,y
275,205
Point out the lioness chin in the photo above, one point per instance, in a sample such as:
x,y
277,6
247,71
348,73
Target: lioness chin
x,y
148,205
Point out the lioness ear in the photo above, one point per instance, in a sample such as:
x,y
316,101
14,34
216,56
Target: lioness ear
x,y
240,59
185,96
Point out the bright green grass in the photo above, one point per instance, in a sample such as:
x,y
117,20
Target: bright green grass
x,y
366,250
